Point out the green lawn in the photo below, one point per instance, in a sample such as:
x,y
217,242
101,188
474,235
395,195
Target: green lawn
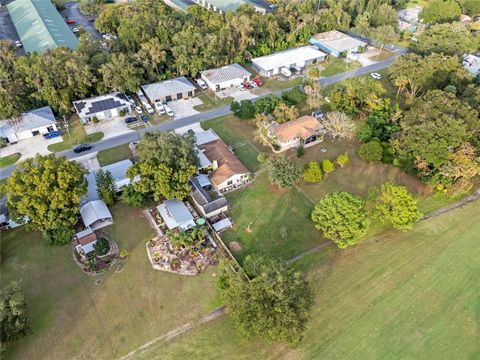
x,y
77,136
384,55
407,295
210,101
261,210
9,160
238,134
336,66
71,317
113,155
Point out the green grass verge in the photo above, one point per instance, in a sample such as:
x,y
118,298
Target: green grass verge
x,y
335,66
103,321
384,55
113,155
405,295
9,160
247,154
210,101
77,136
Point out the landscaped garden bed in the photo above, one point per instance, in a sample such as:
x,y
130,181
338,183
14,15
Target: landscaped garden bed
x,y
104,255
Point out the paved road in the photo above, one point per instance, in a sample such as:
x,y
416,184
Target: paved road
x,y
208,115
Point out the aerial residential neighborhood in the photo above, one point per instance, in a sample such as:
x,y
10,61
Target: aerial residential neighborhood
x,y
239,179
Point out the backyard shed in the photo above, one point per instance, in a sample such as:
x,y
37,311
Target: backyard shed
x,y
95,215
297,58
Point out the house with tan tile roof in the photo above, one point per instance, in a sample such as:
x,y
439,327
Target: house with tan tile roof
x,y
306,130
227,171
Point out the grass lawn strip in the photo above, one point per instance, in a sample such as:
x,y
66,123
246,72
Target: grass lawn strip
x,y
125,311
211,101
113,155
9,160
77,136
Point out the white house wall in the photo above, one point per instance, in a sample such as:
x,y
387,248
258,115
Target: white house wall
x,y
27,134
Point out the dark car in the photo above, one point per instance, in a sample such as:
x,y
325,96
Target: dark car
x,y
52,134
130,119
81,147
144,118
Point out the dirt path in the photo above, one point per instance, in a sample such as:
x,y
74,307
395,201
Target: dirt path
x,y
175,333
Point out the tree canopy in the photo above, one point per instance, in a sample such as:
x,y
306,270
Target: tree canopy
x,y
47,190
275,304
106,188
341,217
440,11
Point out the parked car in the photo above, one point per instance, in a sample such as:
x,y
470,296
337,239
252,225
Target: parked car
x,y
130,100
247,85
253,84
240,87
149,109
138,109
144,118
168,111
75,30
81,147
201,84
18,44
130,119
71,21
258,81
52,134
376,76
285,72
160,108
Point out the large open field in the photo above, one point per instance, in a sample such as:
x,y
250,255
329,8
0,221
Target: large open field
x,y
72,317
402,296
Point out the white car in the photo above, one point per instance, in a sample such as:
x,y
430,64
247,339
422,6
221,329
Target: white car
x,y
202,84
168,110
130,100
376,76
149,109
253,84
18,44
138,109
240,87
160,108
75,30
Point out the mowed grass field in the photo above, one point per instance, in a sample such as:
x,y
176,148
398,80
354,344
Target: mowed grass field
x,y
73,318
115,154
407,295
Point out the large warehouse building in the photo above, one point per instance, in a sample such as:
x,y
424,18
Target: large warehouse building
x,y
40,26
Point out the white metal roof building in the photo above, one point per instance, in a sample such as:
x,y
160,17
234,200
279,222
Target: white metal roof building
x,y
29,124
300,57
471,63
95,214
225,76
169,90
336,43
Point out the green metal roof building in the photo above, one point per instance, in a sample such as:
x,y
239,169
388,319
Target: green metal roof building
x,y
40,26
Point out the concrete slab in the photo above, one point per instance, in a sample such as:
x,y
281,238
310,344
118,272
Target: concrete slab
x,y
194,127
236,94
110,127
184,107
89,161
30,147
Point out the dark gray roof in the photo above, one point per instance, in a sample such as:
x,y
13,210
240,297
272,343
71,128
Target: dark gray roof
x,y
202,197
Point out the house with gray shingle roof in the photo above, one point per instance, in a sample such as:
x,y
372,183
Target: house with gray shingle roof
x,y
225,77
169,90
102,107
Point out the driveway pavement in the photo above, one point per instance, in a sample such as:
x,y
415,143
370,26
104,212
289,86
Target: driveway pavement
x,y
89,161
110,127
72,11
30,147
236,94
184,107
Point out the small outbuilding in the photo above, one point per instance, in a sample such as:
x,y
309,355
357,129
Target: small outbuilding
x,y
225,76
85,240
29,124
471,63
95,215
297,59
337,43
208,200
169,90
102,107
176,215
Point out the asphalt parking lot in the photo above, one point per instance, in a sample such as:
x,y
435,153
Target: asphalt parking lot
x,y
7,30
72,11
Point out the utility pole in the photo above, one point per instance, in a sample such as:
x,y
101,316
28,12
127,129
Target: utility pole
x,y
67,127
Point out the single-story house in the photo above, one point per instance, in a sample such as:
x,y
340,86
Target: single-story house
x,y
208,200
102,107
169,90
28,125
225,76
85,241
176,215
337,43
471,63
296,58
306,130
95,215
227,172
119,174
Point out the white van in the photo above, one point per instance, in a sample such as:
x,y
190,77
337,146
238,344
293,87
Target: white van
x,y
285,72
202,84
